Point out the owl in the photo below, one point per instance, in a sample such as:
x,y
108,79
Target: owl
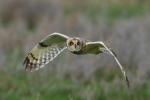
x,y
54,44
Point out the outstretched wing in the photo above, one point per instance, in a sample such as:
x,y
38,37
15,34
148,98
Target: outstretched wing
x,y
45,51
100,47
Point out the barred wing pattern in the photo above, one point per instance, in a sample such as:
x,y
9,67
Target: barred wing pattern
x,y
45,51
44,57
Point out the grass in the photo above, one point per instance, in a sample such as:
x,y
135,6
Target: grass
x,y
114,11
35,86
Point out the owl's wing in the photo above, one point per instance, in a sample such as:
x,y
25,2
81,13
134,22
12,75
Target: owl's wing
x,y
45,51
100,47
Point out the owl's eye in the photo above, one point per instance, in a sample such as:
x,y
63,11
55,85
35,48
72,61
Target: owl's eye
x,y
71,43
78,43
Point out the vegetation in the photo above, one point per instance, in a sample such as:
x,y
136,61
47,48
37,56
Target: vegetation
x,y
123,25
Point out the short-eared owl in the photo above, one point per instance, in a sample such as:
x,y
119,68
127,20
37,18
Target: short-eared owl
x,y
51,46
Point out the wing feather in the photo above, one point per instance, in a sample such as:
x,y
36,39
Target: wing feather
x,y
45,51
100,47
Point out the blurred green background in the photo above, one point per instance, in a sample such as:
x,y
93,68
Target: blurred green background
x,y
124,25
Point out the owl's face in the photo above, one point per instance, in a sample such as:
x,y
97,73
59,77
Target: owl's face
x,y
74,44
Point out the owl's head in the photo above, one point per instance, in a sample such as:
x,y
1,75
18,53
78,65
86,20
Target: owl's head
x,y
75,44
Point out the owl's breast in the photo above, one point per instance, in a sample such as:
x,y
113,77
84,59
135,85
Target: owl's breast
x,y
88,50
77,52
81,52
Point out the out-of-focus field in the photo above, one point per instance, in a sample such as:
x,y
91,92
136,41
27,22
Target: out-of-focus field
x,y
124,25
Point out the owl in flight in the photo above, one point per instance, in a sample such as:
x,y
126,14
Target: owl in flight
x,y
52,45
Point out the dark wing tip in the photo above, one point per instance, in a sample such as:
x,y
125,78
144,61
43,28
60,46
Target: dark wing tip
x,y
27,64
127,82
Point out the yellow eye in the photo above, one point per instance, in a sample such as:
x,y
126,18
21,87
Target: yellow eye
x,y
71,43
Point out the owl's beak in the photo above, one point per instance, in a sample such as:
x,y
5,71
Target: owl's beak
x,y
75,45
